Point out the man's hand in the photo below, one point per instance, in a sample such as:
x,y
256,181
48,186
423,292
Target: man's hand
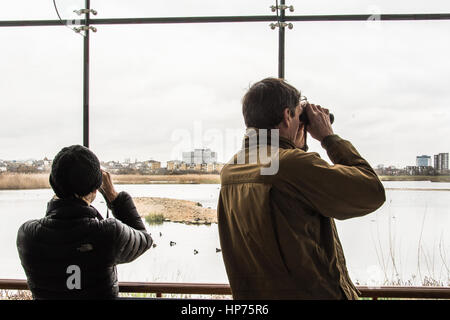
x,y
319,125
107,188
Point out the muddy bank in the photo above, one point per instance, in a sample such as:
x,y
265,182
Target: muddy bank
x,y
174,210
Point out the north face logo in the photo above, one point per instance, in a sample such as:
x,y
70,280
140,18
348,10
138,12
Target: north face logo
x,y
85,247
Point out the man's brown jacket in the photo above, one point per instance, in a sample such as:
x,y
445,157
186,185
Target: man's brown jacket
x,y
277,232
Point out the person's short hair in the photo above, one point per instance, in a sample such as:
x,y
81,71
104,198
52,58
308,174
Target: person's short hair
x,y
264,103
75,172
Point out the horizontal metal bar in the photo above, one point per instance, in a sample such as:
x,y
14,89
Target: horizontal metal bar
x,y
176,288
365,17
165,20
224,289
39,23
157,20
13,284
356,17
219,19
405,292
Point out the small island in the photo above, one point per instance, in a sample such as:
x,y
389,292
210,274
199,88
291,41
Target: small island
x,y
158,210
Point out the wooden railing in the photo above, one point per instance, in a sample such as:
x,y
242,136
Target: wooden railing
x,y
160,288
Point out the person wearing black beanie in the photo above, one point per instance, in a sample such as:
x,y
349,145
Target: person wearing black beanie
x,y
75,172
72,252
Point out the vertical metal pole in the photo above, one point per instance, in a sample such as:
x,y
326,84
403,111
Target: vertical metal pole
x,y
281,41
86,80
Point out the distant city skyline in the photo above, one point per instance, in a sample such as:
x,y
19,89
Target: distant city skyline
x,y
198,155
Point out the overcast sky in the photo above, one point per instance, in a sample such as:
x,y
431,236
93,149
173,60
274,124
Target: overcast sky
x,y
158,90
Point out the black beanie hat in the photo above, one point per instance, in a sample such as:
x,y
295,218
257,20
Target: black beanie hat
x,y
75,171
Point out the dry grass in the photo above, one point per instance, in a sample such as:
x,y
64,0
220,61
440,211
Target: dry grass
x,y
9,181
12,181
181,179
416,178
154,218
15,295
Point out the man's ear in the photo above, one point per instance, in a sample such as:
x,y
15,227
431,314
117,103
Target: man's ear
x,y
285,120
287,117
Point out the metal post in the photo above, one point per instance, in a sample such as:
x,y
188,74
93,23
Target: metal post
x,y
86,80
281,37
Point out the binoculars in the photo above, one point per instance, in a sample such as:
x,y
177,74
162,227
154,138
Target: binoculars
x,y
304,117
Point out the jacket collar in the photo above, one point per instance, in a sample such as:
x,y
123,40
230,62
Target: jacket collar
x,y
255,133
71,208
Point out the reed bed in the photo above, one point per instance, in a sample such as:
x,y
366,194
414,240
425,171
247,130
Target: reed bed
x,y
14,181
11,181
174,179
444,178
154,218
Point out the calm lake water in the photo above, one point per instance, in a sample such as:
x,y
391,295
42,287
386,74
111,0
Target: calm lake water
x,y
406,239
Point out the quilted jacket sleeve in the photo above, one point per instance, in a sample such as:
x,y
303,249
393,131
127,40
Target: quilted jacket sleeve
x,y
131,237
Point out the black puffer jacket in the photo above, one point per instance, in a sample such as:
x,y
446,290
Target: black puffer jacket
x,y
72,252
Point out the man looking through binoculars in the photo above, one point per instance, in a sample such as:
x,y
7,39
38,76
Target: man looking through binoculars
x,y
277,232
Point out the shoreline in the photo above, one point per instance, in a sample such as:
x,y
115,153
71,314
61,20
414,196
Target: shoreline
x,y
157,210
23,181
445,178
174,210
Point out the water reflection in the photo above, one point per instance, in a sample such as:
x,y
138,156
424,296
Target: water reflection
x,y
405,241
